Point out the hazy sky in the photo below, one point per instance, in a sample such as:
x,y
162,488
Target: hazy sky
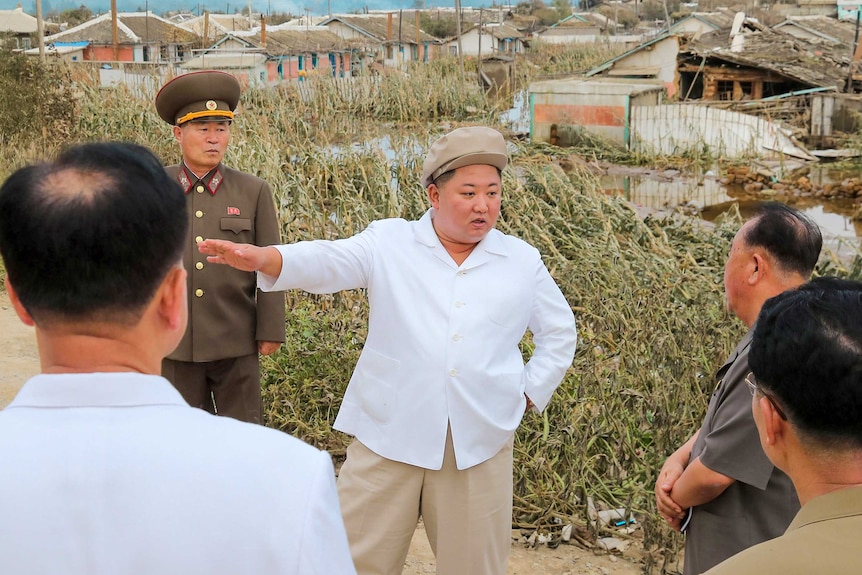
x,y
298,7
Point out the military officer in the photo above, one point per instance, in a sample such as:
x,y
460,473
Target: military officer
x,y
216,365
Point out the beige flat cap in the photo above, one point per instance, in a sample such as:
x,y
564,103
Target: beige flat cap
x,y
464,147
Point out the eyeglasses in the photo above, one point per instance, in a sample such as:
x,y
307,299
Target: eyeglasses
x,y
754,389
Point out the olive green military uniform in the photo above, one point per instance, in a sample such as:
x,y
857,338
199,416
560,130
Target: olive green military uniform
x,y
227,315
216,365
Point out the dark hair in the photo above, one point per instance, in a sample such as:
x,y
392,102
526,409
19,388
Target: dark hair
x,y
92,234
443,178
807,352
789,235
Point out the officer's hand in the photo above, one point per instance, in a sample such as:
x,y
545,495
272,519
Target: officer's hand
x,y
268,347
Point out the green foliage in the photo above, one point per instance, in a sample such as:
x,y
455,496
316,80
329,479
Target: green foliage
x,y
73,16
37,99
545,15
647,292
438,24
276,18
624,17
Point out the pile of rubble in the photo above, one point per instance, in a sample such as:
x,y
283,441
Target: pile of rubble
x,y
764,182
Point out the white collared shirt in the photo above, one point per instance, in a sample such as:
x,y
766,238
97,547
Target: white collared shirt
x,y
113,473
443,339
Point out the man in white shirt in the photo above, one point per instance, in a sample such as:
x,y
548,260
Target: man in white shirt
x,y
441,385
104,468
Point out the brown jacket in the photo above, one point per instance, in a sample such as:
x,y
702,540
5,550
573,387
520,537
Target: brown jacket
x,y
227,314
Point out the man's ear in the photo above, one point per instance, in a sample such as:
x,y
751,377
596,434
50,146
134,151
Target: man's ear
x,y
759,268
434,195
178,134
173,302
774,426
23,314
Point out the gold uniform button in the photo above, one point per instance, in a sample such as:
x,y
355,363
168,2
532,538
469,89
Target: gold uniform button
x,y
199,214
199,265
199,292
199,239
199,189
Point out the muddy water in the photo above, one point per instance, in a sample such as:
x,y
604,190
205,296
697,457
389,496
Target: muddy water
x,y
706,196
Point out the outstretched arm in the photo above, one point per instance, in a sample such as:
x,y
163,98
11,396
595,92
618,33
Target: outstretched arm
x,y
245,257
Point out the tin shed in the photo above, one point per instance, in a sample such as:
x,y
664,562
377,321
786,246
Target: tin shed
x,y
602,106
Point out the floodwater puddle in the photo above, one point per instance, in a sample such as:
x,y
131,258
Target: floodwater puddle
x,y
708,196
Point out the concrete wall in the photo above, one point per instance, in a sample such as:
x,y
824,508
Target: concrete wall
x,y
601,107
661,55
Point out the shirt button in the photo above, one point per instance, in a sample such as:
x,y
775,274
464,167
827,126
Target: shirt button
x,y
199,239
199,265
199,292
199,189
459,304
462,273
199,214
457,337
453,372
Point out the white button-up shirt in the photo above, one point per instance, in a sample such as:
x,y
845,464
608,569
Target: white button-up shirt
x,y
113,473
443,339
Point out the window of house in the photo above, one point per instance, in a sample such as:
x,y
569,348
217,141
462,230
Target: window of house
x,y
724,90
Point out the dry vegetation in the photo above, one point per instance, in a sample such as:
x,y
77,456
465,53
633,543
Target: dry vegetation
x,y
647,292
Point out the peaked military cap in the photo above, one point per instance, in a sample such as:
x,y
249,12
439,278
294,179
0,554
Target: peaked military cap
x,y
208,95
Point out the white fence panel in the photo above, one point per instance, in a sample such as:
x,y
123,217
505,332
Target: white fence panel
x,y
694,129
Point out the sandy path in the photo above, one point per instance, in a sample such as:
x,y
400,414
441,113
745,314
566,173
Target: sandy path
x,y
18,357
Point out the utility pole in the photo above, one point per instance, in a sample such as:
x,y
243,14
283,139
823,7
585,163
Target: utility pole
x,y
40,29
458,32
114,37
479,54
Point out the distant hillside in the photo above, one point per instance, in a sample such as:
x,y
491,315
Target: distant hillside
x,y
296,7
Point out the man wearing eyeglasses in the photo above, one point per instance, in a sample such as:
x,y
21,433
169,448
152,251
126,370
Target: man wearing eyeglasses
x,y
806,357
719,487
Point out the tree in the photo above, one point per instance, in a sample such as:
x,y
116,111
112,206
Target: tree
x,y
438,25
72,16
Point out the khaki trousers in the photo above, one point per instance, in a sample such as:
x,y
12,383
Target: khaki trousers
x,y
228,387
467,513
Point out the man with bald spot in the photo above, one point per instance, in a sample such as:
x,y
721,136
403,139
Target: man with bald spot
x,y
719,487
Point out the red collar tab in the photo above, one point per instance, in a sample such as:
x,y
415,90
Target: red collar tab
x,y
212,180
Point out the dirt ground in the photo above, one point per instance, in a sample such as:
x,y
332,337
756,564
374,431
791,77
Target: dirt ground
x,y
19,360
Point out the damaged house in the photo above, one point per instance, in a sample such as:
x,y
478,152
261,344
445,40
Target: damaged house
x,y
759,64
747,90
